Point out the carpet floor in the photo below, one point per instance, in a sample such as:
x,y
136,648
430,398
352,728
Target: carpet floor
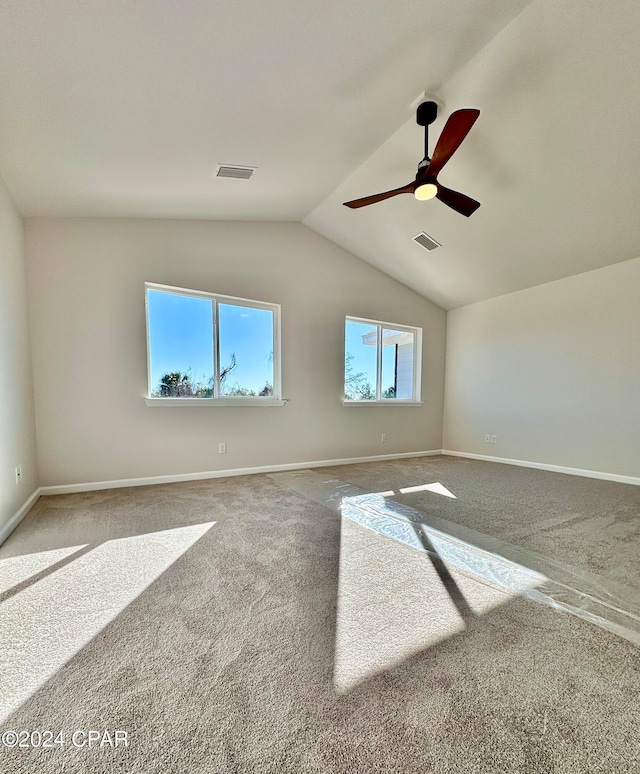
x,y
240,625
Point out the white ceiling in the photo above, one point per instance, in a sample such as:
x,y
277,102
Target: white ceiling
x,y
114,108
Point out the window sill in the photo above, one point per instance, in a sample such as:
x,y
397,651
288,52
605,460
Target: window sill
x,y
390,402
212,402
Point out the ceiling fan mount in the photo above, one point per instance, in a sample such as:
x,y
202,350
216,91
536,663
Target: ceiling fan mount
x,y
426,185
426,113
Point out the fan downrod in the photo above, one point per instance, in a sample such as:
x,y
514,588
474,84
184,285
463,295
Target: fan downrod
x,y
426,114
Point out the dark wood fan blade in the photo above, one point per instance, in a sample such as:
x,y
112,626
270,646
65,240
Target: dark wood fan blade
x,y
379,197
454,132
457,201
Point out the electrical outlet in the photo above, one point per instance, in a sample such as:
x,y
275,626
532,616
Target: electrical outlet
x,y
487,438
383,438
494,439
19,474
222,448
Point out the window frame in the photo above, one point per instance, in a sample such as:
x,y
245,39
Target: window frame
x,y
417,363
218,399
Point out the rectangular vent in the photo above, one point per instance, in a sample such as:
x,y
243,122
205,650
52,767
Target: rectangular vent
x,y
237,173
424,240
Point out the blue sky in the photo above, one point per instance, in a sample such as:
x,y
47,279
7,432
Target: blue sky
x,y
181,339
365,357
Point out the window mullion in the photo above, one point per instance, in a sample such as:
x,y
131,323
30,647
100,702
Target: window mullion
x,y
417,365
216,351
275,360
379,362
148,335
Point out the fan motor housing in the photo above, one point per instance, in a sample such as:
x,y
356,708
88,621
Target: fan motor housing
x,y
426,113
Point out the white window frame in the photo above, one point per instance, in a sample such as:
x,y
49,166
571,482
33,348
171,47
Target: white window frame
x,y
218,399
417,363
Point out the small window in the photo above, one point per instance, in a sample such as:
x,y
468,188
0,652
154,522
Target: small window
x,y
203,346
382,362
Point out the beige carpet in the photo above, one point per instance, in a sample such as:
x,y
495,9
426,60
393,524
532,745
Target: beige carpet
x,y
586,523
235,625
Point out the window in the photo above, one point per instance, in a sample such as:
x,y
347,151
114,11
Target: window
x,y
204,348
381,362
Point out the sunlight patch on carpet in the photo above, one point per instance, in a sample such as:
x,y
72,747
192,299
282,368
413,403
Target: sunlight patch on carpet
x,y
390,606
436,488
601,601
44,625
14,570
394,603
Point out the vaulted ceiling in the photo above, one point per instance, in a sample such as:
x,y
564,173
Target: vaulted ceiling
x,y
125,109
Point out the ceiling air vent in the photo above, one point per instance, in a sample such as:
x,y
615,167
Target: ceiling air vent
x,y
424,240
237,173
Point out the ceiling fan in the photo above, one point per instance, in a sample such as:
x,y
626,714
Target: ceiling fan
x,y
426,184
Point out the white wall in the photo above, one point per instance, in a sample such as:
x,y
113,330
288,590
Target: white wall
x,y
86,284
553,371
17,420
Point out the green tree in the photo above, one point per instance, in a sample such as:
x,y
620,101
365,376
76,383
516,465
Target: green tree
x,y
236,390
176,384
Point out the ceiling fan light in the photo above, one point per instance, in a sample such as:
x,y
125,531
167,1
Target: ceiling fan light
x,y
425,191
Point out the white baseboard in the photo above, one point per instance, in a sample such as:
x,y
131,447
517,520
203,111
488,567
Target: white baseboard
x,y
17,517
171,479
553,468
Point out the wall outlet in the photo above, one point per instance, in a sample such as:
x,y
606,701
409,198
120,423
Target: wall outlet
x,y
494,439
487,438
222,448
19,474
383,438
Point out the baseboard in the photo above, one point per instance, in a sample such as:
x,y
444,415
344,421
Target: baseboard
x,y
553,468
171,479
17,517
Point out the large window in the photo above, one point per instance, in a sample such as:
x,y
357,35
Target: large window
x,y
212,348
381,362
